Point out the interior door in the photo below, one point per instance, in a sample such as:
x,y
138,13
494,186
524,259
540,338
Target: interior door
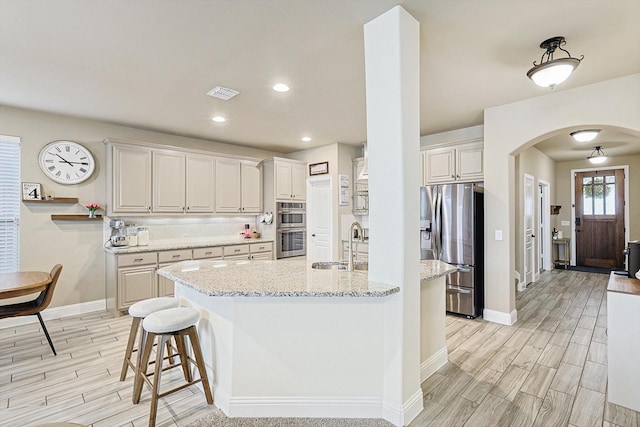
x,y
319,221
599,197
528,229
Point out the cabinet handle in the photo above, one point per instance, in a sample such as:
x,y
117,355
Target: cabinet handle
x,y
236,250
453,176
149,209
138,260
176,256
208,253
458,176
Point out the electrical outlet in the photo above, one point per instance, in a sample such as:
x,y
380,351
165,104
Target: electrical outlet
x,y
498,235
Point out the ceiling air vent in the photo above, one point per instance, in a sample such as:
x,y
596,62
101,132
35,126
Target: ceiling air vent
x,y
223,93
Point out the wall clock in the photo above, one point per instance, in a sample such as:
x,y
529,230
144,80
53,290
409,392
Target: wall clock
x,y
66,162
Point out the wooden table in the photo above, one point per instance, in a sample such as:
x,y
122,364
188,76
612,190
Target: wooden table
x,y
566,256
23,283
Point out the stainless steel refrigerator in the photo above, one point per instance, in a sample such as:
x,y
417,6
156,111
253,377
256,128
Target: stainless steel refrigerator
x,y
452,231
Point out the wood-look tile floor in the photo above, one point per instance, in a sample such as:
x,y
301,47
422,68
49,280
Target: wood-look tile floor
x,y
550,369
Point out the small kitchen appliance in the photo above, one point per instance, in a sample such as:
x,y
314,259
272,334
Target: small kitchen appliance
x,y
633,258
118,235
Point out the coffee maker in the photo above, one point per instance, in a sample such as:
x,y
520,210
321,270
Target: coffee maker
x,y
118,236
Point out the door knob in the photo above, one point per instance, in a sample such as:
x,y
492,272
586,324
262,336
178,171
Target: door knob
x,y
533,236
313,235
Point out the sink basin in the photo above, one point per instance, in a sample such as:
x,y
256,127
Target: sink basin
x,y
340,265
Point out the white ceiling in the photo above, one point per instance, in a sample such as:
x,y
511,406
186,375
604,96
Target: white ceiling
x,y
149,63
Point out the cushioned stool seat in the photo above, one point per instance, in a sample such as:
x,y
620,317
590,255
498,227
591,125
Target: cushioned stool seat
x,y
177,323
139,311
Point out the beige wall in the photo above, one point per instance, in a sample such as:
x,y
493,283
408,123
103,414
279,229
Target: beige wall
x,y
512,128
339,157
564,178
541,167
76,244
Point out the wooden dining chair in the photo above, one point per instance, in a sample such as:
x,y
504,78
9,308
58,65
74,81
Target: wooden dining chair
x,y
34,307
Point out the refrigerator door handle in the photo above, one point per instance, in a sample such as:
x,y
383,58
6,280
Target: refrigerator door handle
x,y
457,290
438,224
464,269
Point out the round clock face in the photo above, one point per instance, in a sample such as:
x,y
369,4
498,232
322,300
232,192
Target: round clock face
x,y
66,162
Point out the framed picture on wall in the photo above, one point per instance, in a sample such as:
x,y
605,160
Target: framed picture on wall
x,y
319,168
31,191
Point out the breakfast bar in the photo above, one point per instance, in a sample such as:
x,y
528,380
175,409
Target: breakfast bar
x,y
281,338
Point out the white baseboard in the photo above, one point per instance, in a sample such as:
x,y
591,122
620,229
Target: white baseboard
x,y
300,407
500,317
432,364
56,313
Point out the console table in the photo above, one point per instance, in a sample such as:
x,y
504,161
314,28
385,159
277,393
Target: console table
x,y
566,251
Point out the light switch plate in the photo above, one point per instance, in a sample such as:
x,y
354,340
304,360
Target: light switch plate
x,y
498,235
565,223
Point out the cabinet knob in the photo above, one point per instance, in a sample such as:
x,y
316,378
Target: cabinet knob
x,y
453,176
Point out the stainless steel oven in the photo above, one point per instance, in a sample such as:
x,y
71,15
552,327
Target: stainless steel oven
x,y
291,242
291,215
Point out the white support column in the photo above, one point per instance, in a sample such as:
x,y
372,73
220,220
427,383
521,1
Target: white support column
x,y
392,63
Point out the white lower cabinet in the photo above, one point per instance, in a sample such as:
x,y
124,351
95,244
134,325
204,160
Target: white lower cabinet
x,y
133,277
136,284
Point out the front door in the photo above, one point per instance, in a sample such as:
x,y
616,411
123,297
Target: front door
x,y
600,218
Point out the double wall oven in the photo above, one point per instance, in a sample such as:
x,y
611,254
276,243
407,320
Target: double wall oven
x,y
291,229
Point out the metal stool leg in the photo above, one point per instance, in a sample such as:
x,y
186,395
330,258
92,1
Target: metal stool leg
x,y
46,333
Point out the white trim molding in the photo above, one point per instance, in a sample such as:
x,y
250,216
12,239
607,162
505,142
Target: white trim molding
x,y
56,313
500,317
432,364
402,416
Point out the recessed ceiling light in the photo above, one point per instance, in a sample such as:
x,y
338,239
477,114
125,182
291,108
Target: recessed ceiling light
x,y
305,139
223,93
281,87
219,119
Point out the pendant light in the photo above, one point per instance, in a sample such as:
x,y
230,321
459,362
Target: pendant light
x,y
585,135
597,156
550,72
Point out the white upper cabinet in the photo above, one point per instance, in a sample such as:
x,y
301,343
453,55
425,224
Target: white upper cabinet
x,y
238,186
453,163
290,180
200,183
168,182
130,179
251,188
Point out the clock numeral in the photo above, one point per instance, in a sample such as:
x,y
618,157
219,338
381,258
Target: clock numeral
x,y
77,174
48,161
51,168
83,158
67,148
77,153
68,176
83,170
59,150
59,173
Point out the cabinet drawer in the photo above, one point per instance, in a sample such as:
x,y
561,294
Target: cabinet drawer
x,y
263,255
201,253
137,259
261,247
174,256
235,250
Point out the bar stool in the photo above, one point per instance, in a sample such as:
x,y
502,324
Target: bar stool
x,y
139,311
177,323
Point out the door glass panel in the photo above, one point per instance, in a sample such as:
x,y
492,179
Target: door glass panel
x,y
599,195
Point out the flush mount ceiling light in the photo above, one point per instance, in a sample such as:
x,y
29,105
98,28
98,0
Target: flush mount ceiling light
x,y
223,93
281,87
550,72
585,135
219,119
597,156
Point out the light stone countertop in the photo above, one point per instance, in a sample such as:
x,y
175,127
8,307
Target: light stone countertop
x,y
186,243
283,278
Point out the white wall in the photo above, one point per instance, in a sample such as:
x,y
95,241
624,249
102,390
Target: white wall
x,y
77,245
510,129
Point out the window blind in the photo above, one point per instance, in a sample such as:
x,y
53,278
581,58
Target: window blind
x,y
9,204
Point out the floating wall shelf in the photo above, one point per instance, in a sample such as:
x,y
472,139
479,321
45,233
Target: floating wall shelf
x,y
555,209
56,200
75,217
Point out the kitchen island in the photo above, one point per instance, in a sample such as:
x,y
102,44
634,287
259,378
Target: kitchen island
x,y
283,339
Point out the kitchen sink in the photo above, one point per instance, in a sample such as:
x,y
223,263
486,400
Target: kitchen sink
x,y
340,265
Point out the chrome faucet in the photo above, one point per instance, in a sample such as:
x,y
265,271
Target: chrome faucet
x,y
356,225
